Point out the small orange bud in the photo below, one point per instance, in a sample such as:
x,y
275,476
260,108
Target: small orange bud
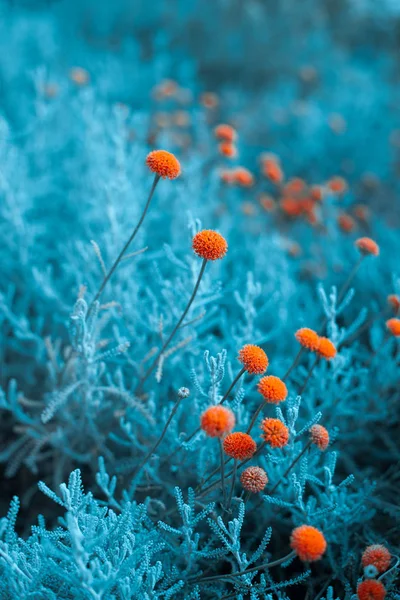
x,y
337,185
346,223
243,177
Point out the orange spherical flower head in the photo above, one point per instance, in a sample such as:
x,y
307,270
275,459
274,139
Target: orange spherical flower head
x,y
217,421
326,349
308,338
367,246
319,436
371,589
272,389
239,446
377,556
393,325
226,133
253,359
209,244
272,170
346,223
254,479
308,542
275,433
295,186
337,185
243,177
164,164
394,302
227,149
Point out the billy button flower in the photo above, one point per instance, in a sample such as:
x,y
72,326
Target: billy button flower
x,y
308,543
218,421
226,133
320,437
254,479
308,340
238,446
243,177
227,149
275,433
371,589
272,170
367,247
208,245
326,349
163,164
375,559
273,390
393,326
394,302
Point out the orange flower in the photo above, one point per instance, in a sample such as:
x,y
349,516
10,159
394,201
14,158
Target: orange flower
x,y
294,186
337,185
227,149
308,542
308,338
254,479
272,170
79,76
371,589
243,177
367,246
217,421
164,164
291,206
275,433
267,202
209,100
254,359
319,436
272,389
394,301
326,349
346,223
226,133
209,244
239,446
378,556
393,325
361,212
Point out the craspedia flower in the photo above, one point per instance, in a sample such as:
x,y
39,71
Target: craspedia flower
x,y
272,170
394,302
337,185
164,164
367,246
217,421
227,149
253,359
308,338
225,132
275,433
326,349
239,446
319,436
243,177
371,589
254,479
308,542
393,325
346,223
378,556
209,244
272,389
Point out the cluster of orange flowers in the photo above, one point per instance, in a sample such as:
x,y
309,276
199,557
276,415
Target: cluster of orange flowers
x,y
375,559
309,339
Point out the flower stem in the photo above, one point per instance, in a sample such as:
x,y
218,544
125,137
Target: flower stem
x,y
255,416
307,379
290,467
126,246
234,471
221,454
172,334
294,364
160,439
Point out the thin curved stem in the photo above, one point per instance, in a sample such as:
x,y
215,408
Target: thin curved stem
x,y
175,329
307,379
294,364
222,468
255,416
126,246
160,439
290,467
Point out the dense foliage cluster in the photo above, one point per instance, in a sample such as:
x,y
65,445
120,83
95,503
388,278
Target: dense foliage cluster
x,y
199,395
